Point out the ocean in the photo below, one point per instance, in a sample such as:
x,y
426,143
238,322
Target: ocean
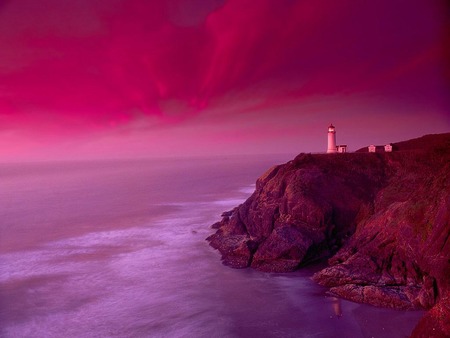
x,y
117,249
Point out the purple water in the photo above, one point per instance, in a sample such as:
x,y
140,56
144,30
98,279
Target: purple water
x,y
117,249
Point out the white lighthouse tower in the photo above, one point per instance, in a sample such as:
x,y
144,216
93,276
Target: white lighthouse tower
x,y
331,140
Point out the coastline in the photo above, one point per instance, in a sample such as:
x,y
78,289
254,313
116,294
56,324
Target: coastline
x,y
156,276
381,219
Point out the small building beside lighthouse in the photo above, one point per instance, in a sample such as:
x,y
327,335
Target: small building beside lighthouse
x,y
331,140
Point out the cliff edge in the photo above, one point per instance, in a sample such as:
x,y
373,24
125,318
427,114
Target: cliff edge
x,y
381,219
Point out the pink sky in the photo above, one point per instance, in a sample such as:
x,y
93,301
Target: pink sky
x,y
116,78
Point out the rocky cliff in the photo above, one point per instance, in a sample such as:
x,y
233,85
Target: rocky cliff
x,y
381,219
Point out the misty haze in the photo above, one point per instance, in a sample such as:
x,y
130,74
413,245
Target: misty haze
x,y
117,249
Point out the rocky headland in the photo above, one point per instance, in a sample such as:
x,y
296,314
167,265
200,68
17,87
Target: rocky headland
x,y
381,220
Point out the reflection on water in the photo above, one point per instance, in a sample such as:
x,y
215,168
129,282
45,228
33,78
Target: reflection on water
x,y
120,252
336,302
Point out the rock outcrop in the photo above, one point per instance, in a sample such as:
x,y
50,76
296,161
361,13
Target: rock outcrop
x,y
382,220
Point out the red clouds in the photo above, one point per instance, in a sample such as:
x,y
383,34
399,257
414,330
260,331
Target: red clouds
x,y
89,64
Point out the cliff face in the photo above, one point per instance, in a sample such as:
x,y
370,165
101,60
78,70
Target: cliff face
x,y
382,219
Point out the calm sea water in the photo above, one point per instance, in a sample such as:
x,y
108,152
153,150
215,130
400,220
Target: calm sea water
x,y
117,249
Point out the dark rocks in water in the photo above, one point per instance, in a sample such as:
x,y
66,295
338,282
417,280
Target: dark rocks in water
x,y
382,219
301,210
403,247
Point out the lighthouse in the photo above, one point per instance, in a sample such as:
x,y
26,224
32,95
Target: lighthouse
x,y
331,140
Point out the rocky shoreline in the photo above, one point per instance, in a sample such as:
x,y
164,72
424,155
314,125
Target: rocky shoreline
x,y
381,219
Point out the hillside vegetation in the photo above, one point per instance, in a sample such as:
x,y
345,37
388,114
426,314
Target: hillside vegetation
x,y
381,219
